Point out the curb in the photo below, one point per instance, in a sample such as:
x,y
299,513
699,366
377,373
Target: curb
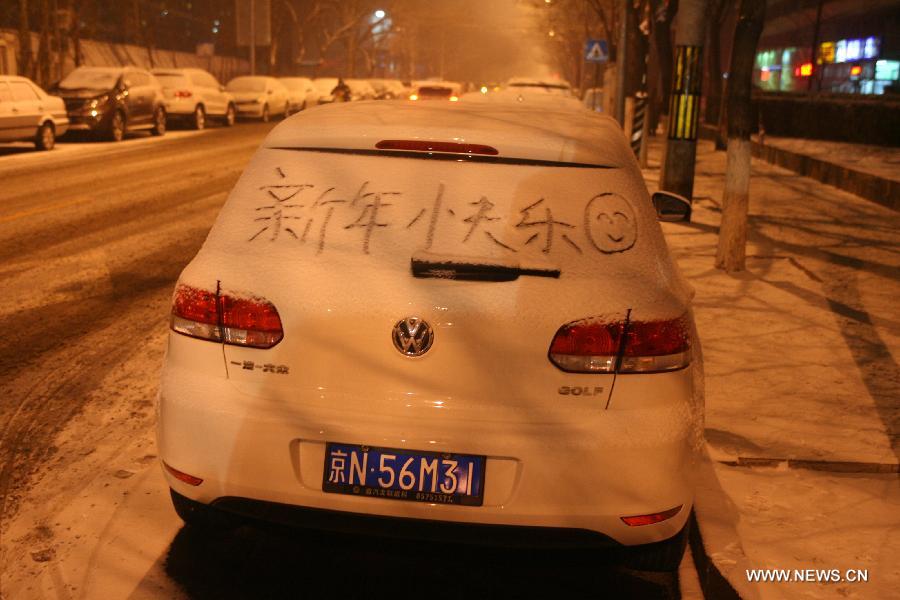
x,y
885,192
712,582
833,466
715,542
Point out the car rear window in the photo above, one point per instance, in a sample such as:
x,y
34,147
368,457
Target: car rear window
x,y
246,84
292,206
171,79
435,92
90,78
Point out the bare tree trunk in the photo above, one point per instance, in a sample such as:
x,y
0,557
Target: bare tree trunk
x,y
714,63
59,56
351,55
25,65
44,58
733,232
75,32
722,123
662,38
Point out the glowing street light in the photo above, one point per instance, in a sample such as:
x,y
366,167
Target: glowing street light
x,y
380,14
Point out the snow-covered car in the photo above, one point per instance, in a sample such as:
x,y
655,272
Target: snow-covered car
x,y
535,101
528,85
259,97
388,89
27,112
361,89
111,101
325,85
436,90
193,95
301,91
431,317
593,99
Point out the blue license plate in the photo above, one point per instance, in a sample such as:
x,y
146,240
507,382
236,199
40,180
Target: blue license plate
x,y
416,475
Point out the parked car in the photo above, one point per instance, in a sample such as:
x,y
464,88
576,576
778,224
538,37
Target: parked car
x,y
389,89
259,97
432,317
539,101
361,89
325,85
193,95
110,101
301,91
436,90
540,86
28,113
593,99
382,92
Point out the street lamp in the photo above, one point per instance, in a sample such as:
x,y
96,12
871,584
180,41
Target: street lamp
x,y
380,14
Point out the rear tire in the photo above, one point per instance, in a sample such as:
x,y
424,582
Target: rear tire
x,y
159,122
664,556
198,120
46,137
202,517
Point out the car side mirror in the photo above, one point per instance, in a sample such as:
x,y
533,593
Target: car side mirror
x,y
672,208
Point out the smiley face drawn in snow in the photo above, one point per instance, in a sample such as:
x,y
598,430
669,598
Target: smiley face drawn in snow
x,y
610,223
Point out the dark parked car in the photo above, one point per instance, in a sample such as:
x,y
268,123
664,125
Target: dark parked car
x,y
109,101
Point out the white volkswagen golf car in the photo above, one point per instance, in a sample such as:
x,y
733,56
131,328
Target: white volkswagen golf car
x,y
439,319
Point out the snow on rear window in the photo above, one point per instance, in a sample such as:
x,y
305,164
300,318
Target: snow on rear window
x,y
171,79
334,209
90,78
246,84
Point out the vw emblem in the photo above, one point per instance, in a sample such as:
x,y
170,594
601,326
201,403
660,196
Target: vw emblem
x,y
412,336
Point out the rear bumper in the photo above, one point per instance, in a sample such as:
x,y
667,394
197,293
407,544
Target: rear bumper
x,y
574,476
182,107
411,529
250,110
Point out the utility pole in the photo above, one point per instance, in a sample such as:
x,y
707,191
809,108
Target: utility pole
x,y
684,104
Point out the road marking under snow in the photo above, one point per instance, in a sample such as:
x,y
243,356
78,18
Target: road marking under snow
x,y
42,209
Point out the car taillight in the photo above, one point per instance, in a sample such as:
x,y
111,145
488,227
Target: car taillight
x,y
220,317
183,94
593,346
651,519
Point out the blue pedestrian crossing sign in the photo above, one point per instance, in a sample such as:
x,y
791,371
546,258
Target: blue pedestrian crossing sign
x,y
596,51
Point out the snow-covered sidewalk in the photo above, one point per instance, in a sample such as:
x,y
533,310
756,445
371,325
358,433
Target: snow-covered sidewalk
x,y
802,383
880,161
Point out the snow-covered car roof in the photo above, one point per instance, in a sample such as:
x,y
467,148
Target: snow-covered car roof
x,y
535,101
529,81
451,85
515,131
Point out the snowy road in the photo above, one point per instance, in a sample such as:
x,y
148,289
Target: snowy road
x,y
92,238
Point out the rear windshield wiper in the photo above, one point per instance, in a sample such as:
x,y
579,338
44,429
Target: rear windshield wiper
x,y
474,269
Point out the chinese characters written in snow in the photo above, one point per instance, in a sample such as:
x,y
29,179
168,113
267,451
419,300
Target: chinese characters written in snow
x,y
309,213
